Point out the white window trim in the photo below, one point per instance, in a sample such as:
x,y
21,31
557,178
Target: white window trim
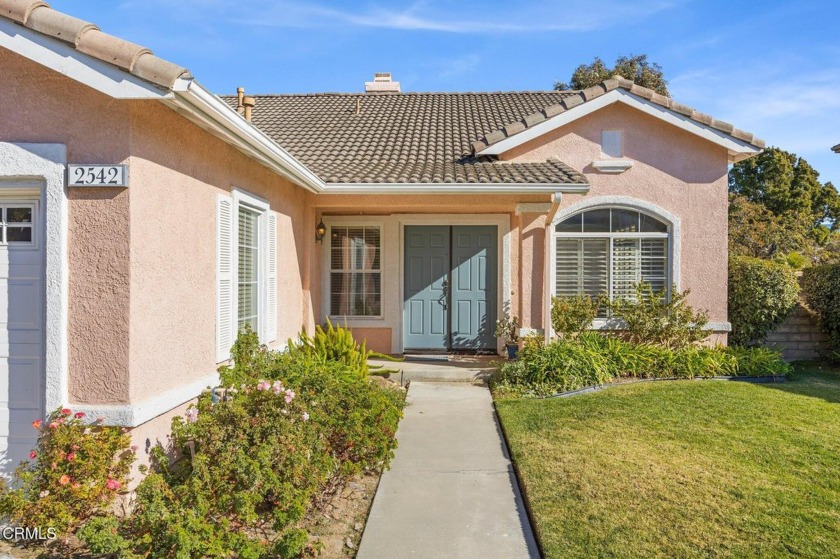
x,y
239,198
365,320
622,202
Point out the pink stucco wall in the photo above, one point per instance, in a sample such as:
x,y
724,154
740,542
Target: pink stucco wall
x,y
673,169
142,263
42,106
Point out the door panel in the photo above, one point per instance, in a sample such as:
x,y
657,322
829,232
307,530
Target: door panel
x,y
21,337
474,257
425,306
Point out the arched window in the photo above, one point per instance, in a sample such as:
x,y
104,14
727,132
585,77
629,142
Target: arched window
x,y
608,250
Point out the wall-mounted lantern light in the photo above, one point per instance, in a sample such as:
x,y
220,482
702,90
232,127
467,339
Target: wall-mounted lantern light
x,y
320,232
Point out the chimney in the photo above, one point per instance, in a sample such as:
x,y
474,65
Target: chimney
x,y
382,84
240,94
248,103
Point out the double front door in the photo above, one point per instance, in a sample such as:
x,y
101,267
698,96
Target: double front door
x,y
450,296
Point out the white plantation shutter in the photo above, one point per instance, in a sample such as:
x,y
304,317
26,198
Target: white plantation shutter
x,y
225,319
271,283
625,268
654,263
581,266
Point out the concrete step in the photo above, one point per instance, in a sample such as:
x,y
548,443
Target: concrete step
x,y
459,368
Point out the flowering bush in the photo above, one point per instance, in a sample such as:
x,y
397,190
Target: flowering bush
x,y
75,472
253,461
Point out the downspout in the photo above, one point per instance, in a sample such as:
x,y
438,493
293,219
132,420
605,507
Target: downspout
x,y
556,200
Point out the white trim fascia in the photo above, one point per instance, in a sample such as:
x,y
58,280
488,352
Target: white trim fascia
x,y
453,188
213,114
132,415
43,166
612,166
64,59
735,147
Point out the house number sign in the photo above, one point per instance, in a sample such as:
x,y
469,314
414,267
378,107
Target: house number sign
x,y
97,175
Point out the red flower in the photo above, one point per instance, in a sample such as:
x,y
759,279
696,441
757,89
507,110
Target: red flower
x,y
53,425
64,480
36,424
71,456
79,414
66,411
32,455
112,484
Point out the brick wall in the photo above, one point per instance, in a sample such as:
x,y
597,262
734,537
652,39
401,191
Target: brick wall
x,y
799,336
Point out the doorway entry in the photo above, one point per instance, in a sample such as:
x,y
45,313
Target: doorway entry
x,y
449,294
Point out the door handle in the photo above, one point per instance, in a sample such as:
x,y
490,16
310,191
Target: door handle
x,y
444,296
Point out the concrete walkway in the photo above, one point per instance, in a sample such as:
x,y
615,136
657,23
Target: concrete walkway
x,y
451,491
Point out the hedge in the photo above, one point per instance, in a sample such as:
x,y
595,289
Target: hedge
x,y
762,293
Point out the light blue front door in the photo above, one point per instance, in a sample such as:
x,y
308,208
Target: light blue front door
x,y
450,287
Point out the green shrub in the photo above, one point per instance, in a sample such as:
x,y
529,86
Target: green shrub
x,y
76,471
334,344
507,327
762,293
653,318
250,464
821,287
570,316
593,359
759,361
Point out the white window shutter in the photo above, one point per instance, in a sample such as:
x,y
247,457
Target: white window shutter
x,y
271,283
225,319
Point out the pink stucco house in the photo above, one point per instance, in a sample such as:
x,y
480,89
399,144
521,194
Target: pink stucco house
x,y
143,219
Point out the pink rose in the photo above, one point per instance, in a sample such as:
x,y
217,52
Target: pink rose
x,y
290,395
64,480
191,415
53,425
263,385
32,455
112,484
79,414
305,416
277,387
65,411
71,456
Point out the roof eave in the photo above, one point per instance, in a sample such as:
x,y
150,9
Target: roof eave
x,y
736,148
208,111
455,188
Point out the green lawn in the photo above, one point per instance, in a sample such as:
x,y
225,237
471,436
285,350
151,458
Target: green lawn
x,y
685,468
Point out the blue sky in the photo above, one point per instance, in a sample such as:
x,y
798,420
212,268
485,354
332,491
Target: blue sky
x,y
772,68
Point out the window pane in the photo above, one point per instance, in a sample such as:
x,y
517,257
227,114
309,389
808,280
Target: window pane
x,y
19,215
356,294
625,221
596,221
581,267
248,269
654,263
625,268
19,234
652,225
570,225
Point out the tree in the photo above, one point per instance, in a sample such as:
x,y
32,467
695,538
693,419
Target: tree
x,y
787,185
635,68
757,232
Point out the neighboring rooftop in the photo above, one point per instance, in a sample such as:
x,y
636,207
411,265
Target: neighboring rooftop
x,y
404,137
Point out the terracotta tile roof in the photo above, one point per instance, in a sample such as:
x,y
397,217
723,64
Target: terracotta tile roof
x,y
87,38
575,98
404,137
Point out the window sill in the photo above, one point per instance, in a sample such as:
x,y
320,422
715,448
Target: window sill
x,y
618,324
612,166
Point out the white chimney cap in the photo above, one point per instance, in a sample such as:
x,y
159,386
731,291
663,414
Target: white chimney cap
x,y
382,83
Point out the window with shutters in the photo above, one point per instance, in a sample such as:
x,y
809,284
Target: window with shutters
x,y
355,271
608,251
247,270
